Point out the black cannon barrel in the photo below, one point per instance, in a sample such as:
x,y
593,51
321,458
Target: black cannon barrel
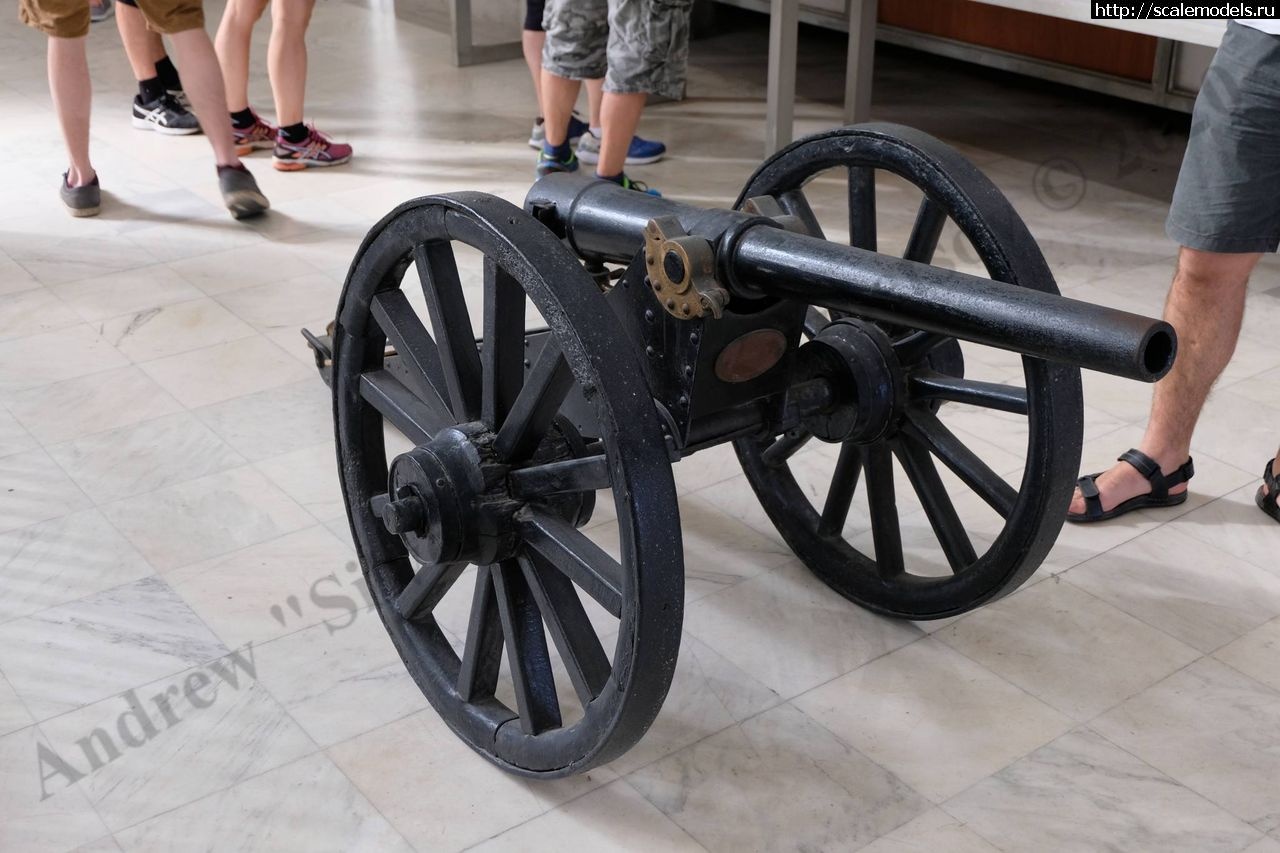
x,y
605,221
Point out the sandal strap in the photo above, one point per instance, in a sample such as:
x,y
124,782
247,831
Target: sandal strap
x,y
1273,487
1092,498
1148,468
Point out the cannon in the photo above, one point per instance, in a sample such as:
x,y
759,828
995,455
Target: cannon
x,y
515,458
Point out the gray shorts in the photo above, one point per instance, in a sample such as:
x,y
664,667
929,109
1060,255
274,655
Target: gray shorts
x,y
1228,193
637,46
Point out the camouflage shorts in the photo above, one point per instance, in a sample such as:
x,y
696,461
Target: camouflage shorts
x,y
635,45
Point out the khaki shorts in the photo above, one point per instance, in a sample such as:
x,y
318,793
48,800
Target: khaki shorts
x,y
69,19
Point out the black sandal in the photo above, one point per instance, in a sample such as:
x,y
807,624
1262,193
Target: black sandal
x,y
1267,502
1158,496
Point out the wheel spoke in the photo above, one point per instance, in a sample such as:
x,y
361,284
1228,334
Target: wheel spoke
x,y
947,526
844,482
568,476
885,532
423,374
459,357
785,447
796,204
482,656
923,242
930,385
502,355
527,654
426,589
862,207
924,426
570,629
540,399
416,418
565,548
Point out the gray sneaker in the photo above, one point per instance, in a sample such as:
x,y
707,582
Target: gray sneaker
x,y
164,115
240,192
101,11
82,201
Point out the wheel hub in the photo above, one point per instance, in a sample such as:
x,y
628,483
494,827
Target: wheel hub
x,y
867,380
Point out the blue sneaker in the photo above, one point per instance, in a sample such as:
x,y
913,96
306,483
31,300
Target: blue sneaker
x,y
640,153
547,164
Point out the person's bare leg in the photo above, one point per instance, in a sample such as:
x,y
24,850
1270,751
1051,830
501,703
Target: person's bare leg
x,y
531,41
595,94
72,94
1205,306
559,94
287,57
619,118
203,81
235,32
143,47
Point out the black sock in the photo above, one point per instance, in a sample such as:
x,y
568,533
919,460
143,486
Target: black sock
x,y
151,90
294,133
168,75
617,179
244,119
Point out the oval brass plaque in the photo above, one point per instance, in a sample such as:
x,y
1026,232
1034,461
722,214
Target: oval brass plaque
x,y
749,356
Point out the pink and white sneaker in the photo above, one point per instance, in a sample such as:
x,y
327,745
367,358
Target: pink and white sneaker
x,y
316,150
256,136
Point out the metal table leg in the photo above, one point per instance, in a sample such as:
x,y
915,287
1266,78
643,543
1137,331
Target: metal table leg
x,y
784,24
465,50
862,50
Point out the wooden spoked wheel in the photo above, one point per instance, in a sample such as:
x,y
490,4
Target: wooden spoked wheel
x,y
496,477
929,371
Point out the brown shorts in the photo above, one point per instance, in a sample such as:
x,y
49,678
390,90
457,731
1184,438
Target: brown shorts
x,y
69,19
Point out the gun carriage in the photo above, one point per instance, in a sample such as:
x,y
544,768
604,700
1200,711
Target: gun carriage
x,y
490,448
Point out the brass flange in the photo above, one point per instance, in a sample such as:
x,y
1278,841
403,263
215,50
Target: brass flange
x,y
681,270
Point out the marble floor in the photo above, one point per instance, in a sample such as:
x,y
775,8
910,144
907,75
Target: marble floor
x,y
187,661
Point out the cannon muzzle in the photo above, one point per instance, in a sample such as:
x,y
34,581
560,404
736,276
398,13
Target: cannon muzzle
x,y
755,256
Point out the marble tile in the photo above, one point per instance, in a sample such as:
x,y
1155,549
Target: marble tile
x,y
35,490
213,374
205,518
937,720
13,712
469,799
708,694
613,819
1081,793
225,728
137,459
165,330
254,264
30,312
790,631
1067,648
310,477
59,258
89,404
933,831
29,820
1212,729
252,423
102,845
61,560
50,357
1186,588
1237,430
276,587
13,438
73,654
274,811
1234,524
13,278
727,790
1264,845
322,673
280,302
1256,654
131,292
